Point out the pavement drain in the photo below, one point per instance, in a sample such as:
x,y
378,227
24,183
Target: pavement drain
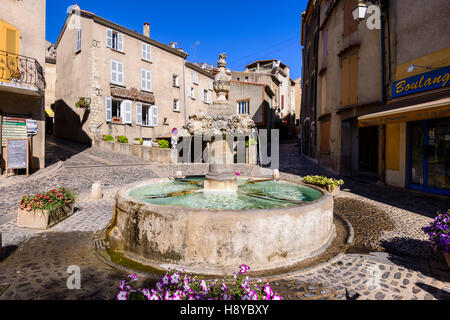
x,y
3,288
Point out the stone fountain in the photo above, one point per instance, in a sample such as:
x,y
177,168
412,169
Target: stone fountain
x,y
220,121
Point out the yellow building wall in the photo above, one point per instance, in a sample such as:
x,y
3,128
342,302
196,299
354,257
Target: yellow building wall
x,y
395,154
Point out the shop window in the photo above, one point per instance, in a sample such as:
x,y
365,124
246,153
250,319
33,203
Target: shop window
x,y
243,107
350,25
349,81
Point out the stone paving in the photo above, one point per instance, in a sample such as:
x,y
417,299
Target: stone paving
x,y
35,262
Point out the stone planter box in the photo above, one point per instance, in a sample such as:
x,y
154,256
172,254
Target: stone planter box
x,y
136,150
335,193
41,219
106,145
160,155
124,148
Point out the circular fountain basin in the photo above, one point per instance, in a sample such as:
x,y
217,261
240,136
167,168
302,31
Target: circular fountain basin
x,y
266,225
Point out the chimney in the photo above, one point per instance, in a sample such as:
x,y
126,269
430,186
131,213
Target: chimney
x,y
147,29
173,45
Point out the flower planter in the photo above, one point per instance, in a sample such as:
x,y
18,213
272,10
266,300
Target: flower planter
x,y
106,145
136,150
42,219
335,192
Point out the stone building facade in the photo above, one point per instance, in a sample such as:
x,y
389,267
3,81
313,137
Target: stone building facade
x,y
254,99
416,118
22,81
348,86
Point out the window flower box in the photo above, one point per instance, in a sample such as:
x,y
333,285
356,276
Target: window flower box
x,y
83,103
43,211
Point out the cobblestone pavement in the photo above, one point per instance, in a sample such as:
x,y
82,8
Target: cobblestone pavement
x,y
35,262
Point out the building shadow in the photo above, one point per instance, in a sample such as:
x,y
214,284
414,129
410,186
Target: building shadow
x,y
413,254
7,252
69,138
69,125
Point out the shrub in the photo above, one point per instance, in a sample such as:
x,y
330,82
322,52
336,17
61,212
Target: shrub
x,y
108,137
323,181
251,142
439,232
122,139
53,201
141,141
176,285
163,144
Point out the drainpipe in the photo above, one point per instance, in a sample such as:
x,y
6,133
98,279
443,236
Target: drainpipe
x,y
384,6
184,90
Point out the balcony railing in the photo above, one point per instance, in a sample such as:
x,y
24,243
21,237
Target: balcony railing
x,y
21,70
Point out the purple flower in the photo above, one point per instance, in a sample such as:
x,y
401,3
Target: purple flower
x,y
122,296
244,269
268,290
133,277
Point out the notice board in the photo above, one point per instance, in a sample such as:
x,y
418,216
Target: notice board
x,y
17,156
13,128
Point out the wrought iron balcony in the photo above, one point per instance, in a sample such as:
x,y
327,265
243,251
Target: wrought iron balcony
x,y
21,70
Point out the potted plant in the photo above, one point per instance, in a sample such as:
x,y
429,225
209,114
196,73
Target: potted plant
x,y
122,139
331,185
109,138
138,141
83,103
439,233
44,210
16,75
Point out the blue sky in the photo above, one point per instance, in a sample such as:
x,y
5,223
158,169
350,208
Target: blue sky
x,y
245,30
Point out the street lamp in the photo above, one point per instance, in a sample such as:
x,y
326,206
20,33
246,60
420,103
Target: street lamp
x,y
359,12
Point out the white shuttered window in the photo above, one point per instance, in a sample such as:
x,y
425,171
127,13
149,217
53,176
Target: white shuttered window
x,y
139,114
146,52
146,76
126,107
108,108
79,33
155,116
114,40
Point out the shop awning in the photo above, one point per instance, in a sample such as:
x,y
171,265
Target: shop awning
x,y
430,110
50,112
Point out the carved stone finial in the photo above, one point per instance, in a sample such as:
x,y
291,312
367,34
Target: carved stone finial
x,y
222,81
